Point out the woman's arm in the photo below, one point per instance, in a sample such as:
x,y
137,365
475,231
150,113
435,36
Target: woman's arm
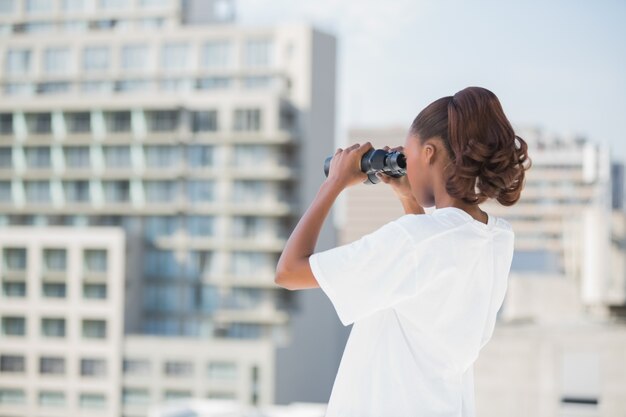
x,y
293,270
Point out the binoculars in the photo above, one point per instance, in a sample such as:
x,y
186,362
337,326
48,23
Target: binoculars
x,y
378,160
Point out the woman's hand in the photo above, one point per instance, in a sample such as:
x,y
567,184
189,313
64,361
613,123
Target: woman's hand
x,y
345,166
399,185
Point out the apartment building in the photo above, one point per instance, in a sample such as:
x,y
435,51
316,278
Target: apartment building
x,y
202,141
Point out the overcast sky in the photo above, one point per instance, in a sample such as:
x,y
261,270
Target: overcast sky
x,y
559,65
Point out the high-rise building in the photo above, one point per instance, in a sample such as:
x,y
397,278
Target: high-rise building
x,y
203,141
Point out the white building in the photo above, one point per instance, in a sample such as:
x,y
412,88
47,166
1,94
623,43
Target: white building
x,y
204,142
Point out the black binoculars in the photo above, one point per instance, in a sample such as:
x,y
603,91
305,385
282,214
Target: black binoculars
x,y
378,160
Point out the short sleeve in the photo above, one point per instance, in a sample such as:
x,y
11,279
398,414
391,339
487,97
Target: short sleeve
x,y
370,274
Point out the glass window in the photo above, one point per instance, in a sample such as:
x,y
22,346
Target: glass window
x,y
56,60
114,4
38,157
51,365
55,259
160,191
13,326
39,123
117,156
200,225
37,191
52,398
14,289
95,291
76,191
213,83
15,259
175,56
17,61
94,329
53,290
176,368
163,120
161,156
161,264
93,367
159,226
257,53
153,3
245,263
247,120
216,54
92,401
53,87
96,58
6,157
6,123
38,6
161,298
77,157
204,121
7,6
116,191
95,260
200,190
200,155
12,363
118,121
79,122
12,396
53,327
201,263
257,81
73,5
136,367
222,370
176,394
135,57
5,191
249,191
135,396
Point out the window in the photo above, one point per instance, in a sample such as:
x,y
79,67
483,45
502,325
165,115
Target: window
x,y
17,62
79,122
161,263
55,259
160,191
73,5
135,396
52,398
117,156
204,121
216,55
53,327
222,370
246,263
135,57
175,368
247,120
136,367
38,6
116,191
118,121
96,58
213,83
12,363
201,264
95,260
49,365
114,4
6,124
7,6
158,226
53,290
39,123
38,157
92,400
15,259
161,156
257,53
12,396
93,367
13,326
94,329
95,291
175,56
200,155
200,190
6,157
56,60
176,394
76,191
37,191
200,225
14,289
162,120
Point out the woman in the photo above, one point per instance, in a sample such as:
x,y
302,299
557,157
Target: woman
x,y
423,290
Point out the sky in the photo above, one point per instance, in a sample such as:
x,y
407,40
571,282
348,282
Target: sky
x,y
558,65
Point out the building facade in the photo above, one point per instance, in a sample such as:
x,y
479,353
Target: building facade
x,y
202,141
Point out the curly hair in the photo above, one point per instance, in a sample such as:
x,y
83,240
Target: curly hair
x,y
486,162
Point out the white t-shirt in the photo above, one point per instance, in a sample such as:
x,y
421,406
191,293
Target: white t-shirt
x,y
423,292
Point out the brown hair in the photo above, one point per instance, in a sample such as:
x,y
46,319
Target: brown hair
x,y
485,160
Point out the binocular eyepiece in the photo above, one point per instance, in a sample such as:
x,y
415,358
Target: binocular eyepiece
x,y
378,160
